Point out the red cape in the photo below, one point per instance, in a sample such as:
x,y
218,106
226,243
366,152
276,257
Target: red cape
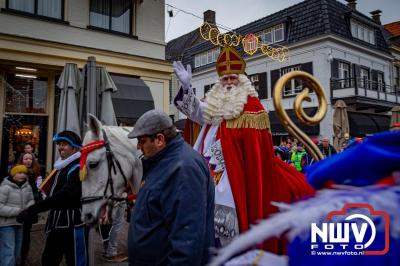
x,y
256,176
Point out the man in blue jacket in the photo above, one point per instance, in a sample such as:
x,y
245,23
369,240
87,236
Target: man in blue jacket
x,y
173,218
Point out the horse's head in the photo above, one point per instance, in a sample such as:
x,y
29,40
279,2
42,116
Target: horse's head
x,y
111,169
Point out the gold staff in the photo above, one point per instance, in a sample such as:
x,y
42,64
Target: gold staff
x,y
298,110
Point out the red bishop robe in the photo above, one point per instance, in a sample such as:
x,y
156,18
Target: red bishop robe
x,y
256,176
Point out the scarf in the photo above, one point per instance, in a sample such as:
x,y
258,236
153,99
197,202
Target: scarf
x,y
60,164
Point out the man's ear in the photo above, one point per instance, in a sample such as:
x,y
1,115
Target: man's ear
x,y
161,139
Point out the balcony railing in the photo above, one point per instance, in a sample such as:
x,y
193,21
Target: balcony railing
x,y
341,88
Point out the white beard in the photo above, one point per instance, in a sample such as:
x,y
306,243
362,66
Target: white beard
x,y
224,103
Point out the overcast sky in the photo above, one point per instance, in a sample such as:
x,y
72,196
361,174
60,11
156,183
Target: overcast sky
x,y
235,13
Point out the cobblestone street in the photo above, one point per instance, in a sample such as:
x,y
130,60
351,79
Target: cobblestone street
x,y
38,241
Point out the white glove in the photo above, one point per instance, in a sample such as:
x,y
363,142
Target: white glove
x,y
184,75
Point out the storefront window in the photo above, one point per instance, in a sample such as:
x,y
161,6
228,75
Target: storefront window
x,y
25,94
18,130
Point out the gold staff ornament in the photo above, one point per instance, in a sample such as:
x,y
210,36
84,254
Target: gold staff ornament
x,y
298,110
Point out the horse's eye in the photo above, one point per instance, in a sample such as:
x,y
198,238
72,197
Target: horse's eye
x,y
93,165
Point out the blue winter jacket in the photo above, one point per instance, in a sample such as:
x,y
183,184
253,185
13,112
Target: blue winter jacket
x,y
173,218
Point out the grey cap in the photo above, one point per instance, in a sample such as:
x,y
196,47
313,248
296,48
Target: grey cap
x,y
150,123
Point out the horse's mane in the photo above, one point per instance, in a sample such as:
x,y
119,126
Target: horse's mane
x,y
118,136
119,142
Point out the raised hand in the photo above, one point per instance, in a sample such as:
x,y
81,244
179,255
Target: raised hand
x,y
184,75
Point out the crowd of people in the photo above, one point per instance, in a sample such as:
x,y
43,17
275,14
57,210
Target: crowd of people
x,y
294,153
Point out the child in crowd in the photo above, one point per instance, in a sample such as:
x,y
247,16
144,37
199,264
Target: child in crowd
x,y
34,177
15,195
34,180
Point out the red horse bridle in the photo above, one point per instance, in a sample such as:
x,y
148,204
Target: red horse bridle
x,y
113,165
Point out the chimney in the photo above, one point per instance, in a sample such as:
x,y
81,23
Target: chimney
x,y
376,16
209,16
352,4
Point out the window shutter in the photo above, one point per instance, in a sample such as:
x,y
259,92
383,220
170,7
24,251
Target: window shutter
x,y
274,78
356,73
374,77
307,67
335,68
206,89
262,83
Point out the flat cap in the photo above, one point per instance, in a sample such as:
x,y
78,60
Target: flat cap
x,y
150,123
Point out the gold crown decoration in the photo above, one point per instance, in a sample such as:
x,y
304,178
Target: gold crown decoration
x,y
250,42
230,62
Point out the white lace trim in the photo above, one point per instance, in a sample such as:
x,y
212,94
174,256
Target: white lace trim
x,y
222,103
188,103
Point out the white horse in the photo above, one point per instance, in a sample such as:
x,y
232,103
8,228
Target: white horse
x,y
113,168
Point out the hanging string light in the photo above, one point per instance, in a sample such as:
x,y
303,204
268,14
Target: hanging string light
x,y
250,42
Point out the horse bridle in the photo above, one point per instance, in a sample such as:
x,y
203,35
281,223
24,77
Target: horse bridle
x,y
113,164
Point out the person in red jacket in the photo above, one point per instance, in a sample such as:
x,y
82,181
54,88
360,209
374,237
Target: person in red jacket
x,y
236,141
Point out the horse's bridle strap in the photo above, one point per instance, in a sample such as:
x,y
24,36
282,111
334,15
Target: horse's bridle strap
x,y
113,164
85,150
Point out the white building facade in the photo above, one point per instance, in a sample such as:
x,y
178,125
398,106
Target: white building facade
x,y
342,48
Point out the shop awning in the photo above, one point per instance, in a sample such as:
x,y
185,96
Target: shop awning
x,y
362,124
277,128
132,99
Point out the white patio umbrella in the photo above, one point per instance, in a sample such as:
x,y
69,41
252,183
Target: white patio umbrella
x,y
69,83
106,86
96,97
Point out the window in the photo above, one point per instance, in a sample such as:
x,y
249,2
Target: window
x,y
267,36
259,81
254,81
364,78
294,86
273,34
197,61
215,55
344,74
207,88
206,57
362,32
397,78
111,15
353,29
279,33
45,8
26,94
380,82
209,56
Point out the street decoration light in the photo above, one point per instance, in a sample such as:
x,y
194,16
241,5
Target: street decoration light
x,y
250,42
